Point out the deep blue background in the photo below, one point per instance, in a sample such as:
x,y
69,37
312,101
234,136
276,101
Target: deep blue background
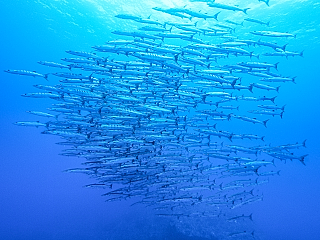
x,y
39,201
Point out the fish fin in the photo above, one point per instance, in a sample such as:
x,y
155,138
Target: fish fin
x,y
301,159
216,16
245,10
304,143
265,122
250,89
301,54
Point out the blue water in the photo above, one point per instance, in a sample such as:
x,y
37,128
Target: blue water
x,y
39,201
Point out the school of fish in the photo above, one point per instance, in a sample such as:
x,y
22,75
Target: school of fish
x,y
149,112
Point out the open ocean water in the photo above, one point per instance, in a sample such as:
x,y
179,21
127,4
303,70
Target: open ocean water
x,y
39,200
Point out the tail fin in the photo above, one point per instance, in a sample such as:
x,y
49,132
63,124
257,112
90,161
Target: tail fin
x,y
265,122
304,143
250,88
245,10
272,99
276,65
216,16
46,76
284,47
293,80
301,159
176,58
277,88
251,54
301,54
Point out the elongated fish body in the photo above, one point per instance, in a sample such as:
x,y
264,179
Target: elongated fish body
x,y
201,15
272,45
42,114
82,54
41,95
292,54
227,7
257,21
127,16
234,23
78,60
119,42
31,124
266,87
278,79
27,73
72,75
148,21
265,112
53,64
264,98
282,155
276,54
253,120
273,34
259,65
272,107
152,57
154,29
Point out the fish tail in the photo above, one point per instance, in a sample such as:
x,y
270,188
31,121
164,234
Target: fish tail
x,y
281,114
301,53
304,143
301,159
265,122
250,88
245,10
293,80
216,16
284,47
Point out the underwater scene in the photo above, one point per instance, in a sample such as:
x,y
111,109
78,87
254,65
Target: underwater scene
x,y
170,119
